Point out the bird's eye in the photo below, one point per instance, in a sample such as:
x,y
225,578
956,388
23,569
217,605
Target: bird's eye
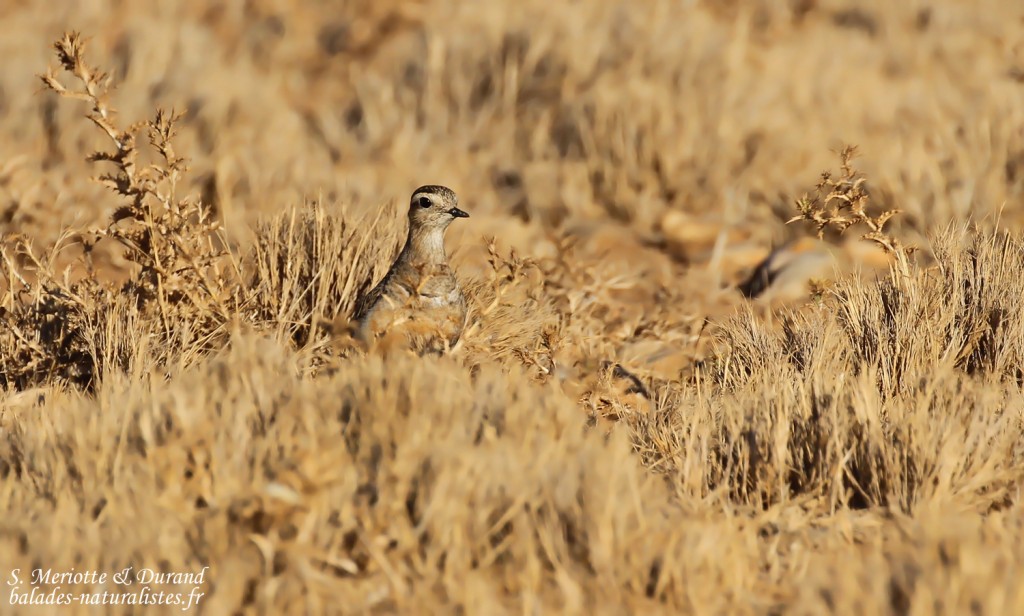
x,y
425,202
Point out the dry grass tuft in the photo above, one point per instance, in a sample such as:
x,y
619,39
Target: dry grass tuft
x,y
309,266
876,388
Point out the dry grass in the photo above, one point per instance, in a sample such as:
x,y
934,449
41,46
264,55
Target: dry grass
x,y
618,430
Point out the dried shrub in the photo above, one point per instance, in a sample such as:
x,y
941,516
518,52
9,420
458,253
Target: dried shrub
x,y
840,203
180,273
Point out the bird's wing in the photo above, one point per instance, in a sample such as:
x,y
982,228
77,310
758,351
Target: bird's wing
x,y
368,299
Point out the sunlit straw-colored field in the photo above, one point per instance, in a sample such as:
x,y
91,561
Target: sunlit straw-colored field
x,y
643,414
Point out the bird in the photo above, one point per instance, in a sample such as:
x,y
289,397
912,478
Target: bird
x,y
784,273
419,300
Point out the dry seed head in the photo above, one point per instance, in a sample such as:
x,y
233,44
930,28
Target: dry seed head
x,y
839,204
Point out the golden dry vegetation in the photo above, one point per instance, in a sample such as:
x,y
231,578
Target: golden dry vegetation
x,y
638,419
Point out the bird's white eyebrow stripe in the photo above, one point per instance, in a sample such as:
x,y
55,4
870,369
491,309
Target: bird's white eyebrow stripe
x,y
441,191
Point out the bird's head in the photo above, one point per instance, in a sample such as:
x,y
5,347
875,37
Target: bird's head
x,y
434,207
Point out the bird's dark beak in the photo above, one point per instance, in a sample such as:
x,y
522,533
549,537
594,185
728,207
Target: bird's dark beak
x,y
457,213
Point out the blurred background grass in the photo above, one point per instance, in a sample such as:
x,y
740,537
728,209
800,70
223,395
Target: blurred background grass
x,y
541,111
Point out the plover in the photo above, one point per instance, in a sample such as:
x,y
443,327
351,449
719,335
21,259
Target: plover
x,y
419,299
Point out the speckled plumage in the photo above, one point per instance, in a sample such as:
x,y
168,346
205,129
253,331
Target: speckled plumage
x,y
419,297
